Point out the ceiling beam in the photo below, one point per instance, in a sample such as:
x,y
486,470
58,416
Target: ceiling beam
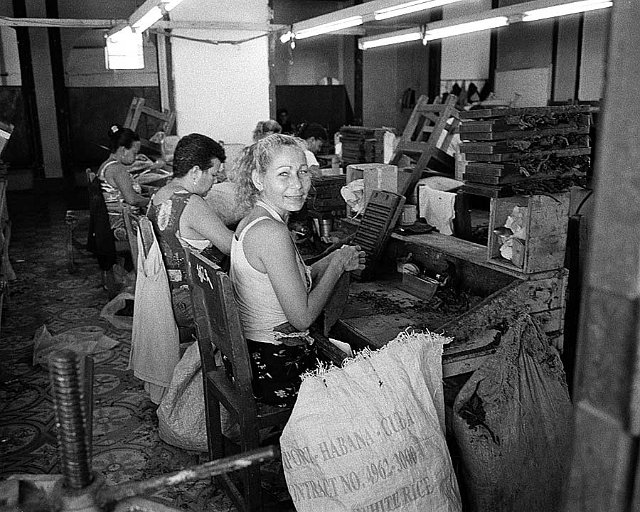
x,y
108,24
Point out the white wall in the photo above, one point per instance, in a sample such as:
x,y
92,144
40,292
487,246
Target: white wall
x,y
594,51
221,90
465,57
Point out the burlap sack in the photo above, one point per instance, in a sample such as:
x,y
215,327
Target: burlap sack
x,y
370,436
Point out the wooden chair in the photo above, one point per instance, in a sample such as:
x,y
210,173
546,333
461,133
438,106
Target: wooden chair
x,y
218,325
73,218
100,238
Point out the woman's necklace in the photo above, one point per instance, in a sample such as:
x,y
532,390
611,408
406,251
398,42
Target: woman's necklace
x,y
271,210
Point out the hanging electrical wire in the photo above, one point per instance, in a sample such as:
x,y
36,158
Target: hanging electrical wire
x,y
207,41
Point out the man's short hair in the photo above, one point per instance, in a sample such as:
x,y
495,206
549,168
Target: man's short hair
x,y
195,149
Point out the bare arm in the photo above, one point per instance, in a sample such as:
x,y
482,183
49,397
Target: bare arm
x,y
200,221
270,247
123,181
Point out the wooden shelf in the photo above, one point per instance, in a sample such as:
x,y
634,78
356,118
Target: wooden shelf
x,y
464,250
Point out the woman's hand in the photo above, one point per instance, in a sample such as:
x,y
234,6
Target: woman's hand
x,y
350,257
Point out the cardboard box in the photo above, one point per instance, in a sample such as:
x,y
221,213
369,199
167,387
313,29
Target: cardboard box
x,y
379,177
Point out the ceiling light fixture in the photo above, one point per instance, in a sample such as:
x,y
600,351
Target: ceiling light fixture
x,y
409,7
357,15
325,28
147,19
563,10
466,28
169,5
124,50
489,19
405,36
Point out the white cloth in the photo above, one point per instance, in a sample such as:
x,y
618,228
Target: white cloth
x,y
437,207
154,338
311,158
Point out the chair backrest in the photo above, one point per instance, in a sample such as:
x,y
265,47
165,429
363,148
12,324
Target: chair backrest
x,y
218,320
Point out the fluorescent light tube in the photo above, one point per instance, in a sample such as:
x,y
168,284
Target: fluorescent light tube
x,y
409,7
124,50
352,21
561,10
154,14
170,4
365,44
466,28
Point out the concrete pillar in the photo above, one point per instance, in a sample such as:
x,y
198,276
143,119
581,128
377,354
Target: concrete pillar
x,y
45,100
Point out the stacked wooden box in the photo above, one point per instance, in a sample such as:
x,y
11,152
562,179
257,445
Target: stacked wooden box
x,y
324,197
505,148
361,144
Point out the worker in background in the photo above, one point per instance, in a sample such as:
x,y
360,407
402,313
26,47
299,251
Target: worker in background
x,y
285,121
264,128
314,136
116,181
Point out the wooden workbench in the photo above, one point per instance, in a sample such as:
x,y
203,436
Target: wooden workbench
x,y
473,309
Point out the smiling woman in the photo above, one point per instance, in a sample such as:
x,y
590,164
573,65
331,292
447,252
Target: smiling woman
x,y
279,297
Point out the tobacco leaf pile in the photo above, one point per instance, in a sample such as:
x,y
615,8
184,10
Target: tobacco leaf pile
x,y
446,304
545,144
553,165
548,142
547,119
551,185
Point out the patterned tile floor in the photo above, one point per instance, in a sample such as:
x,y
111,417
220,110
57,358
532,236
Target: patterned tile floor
x,y
126,446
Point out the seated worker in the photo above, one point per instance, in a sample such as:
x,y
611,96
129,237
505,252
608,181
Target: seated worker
x,y
181,217
115,176
264,128
222,197
282,116
278,296
314,136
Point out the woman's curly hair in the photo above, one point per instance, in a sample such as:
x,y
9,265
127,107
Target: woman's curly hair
x,y
258,156
265,128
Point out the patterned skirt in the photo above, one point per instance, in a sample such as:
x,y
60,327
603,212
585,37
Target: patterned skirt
x,y
277,370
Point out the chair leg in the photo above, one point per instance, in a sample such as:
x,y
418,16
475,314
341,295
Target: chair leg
x,y
71,220
109,283
250,476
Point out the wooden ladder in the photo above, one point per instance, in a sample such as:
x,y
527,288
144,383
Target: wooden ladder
x,y
420,138
137,108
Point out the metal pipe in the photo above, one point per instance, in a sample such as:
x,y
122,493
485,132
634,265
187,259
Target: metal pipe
x,y
209,469
70,412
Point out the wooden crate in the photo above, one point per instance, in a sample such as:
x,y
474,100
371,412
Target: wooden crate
x,y
546,223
